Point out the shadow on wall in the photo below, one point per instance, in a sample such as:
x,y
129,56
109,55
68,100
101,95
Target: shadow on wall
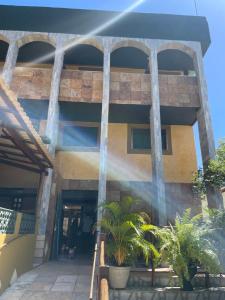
x,y
17,241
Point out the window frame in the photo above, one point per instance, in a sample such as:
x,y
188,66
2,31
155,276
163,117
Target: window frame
x,y
131,150
63,124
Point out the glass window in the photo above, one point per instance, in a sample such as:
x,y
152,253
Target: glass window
x,y
141,139
164,139
80,136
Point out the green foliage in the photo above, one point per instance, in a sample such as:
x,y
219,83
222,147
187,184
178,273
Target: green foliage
x,y
185,246
125,231
215,220
214,174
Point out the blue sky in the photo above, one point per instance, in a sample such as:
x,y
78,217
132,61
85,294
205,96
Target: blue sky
x,y
214,59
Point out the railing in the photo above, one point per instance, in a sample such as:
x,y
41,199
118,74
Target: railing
x,y
103,288
99,268
7,220
91,295
27,225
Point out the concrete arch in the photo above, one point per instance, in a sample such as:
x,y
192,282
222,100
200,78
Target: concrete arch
x,y
84,41
36,37
131,43
177,46
4,39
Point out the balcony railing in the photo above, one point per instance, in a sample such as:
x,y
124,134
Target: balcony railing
x,y
125,88
7,221
15,222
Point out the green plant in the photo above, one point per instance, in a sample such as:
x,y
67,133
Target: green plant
x,y
185,246
215,220
213,175
125,231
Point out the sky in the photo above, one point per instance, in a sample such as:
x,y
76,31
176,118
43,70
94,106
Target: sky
x,y
213,10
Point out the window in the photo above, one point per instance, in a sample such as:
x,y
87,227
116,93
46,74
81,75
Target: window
x,y
80,136
17,203
139,139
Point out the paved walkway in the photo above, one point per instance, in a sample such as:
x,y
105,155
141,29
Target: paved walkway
x,y
58,280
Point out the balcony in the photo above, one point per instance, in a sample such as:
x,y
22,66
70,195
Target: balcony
x,y
125,88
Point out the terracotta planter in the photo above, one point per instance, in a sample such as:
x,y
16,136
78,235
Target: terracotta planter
x,y
118,277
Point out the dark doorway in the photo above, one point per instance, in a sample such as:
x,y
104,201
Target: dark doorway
x,y
77,223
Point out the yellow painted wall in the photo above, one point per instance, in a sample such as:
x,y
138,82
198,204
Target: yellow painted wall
x,y
16,258
122,166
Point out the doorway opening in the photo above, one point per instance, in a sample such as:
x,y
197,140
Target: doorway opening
x,y
78,217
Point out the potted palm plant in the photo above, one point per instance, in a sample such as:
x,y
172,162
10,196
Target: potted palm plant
x,y
125,231
185,246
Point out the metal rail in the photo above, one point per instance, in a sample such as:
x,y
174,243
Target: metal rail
x,y
91,295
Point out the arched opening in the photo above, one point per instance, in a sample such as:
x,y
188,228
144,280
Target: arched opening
x,y
130,83
32,80
3,53
129,59
83,57
173,61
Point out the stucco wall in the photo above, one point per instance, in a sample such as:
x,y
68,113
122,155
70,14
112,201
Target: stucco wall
x,y
132,167
16,257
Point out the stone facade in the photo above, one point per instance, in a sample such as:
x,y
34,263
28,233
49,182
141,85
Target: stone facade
x,y
86,86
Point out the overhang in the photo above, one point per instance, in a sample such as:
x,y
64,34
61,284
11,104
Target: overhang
x,y
80,21
20,145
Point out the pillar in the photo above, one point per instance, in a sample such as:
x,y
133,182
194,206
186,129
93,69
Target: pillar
x,y
158,185
104,132
47,187
206,136
10,62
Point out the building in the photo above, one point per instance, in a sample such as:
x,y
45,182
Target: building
x,y
115,105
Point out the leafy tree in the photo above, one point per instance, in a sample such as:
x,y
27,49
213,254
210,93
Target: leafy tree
x,y
185,246
125,231
215,220
214,174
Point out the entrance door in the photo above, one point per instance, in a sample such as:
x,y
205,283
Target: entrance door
x,y
79,214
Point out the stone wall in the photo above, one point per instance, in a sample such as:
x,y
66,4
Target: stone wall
x,y
125,88
168,294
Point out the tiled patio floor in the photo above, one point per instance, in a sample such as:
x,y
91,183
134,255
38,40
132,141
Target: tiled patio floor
x,y
58,280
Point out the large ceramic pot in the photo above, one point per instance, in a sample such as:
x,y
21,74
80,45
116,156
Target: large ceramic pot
x,y
118,277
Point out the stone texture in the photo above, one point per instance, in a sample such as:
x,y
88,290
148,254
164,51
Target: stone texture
x,y
125,88
167,294
61,280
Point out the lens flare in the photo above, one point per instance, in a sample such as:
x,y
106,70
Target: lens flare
x,y
84,38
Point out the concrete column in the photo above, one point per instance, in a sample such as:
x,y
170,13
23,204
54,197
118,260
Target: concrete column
x,y
158,184
206,136
104,132
10,62
53,109
47,188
